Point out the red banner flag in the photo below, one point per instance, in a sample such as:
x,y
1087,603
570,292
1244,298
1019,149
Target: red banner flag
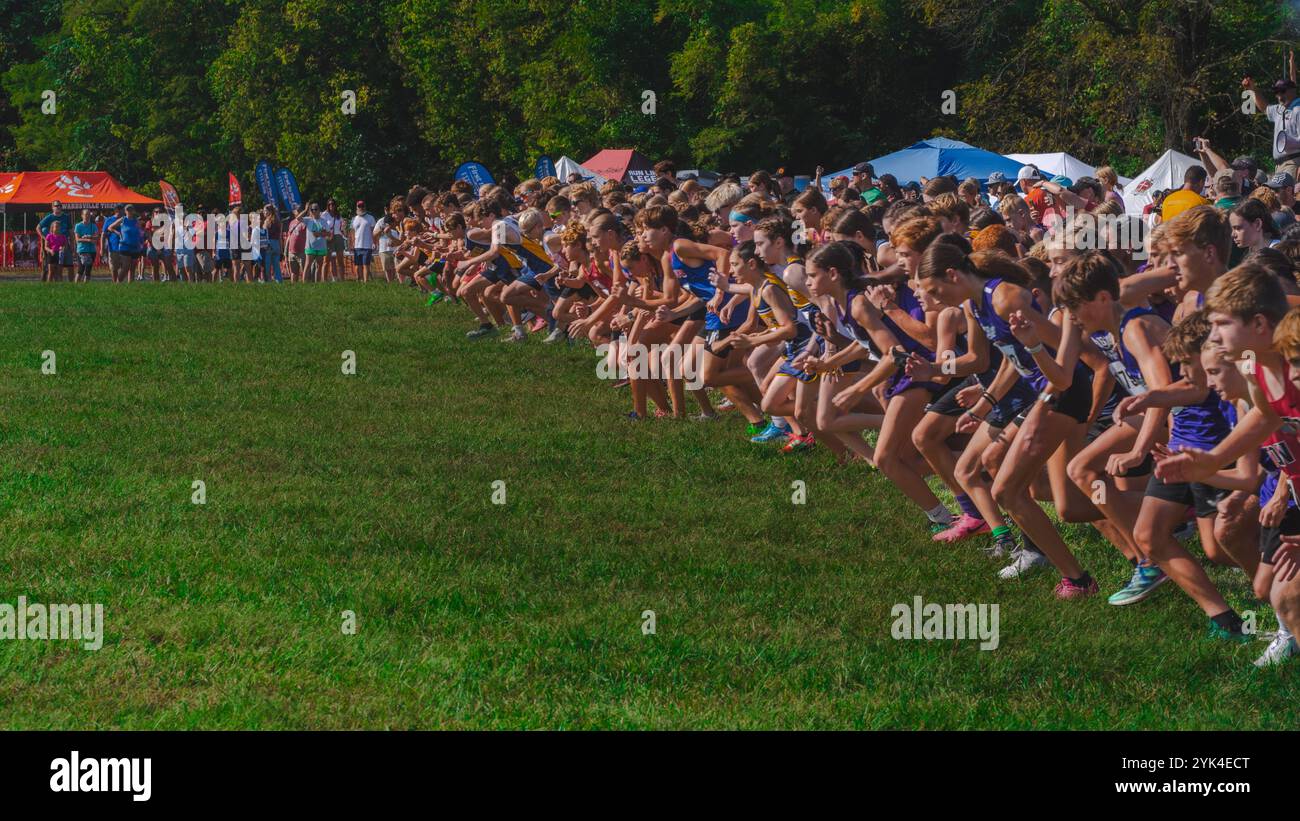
x,y
236,198
170,198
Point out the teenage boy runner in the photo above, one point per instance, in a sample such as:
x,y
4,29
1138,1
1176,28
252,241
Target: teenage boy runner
x,y
1198,240
1249,322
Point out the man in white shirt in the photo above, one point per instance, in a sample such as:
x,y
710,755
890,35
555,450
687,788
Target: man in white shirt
x,y
363,242
1285,117
388,233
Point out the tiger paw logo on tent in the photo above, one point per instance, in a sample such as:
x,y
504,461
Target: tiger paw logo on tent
x,y
8,188
73,186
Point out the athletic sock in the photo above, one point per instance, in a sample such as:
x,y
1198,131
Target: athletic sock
x,y
968,507
1228,620
1082,581
779,421
1000,531
1282,631
940,515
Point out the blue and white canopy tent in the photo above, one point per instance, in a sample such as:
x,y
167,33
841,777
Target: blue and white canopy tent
x,y
937,157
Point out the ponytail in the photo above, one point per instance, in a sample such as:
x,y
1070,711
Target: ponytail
x,y
953,251
845,257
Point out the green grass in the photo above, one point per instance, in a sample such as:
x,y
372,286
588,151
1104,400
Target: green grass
x,y
372,493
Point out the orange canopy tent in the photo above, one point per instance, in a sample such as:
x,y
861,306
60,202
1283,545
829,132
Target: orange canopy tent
x,y
72,188
30,191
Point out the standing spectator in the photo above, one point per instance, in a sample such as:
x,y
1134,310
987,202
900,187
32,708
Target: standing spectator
x,y
332,223
999,187
243,245
53,265
87,234
388,234
1283,183
116,262
1110,185
1226,189
130,240
184,241
56,242
363,241
318,236
271,255
1285,117
1189,196
295,248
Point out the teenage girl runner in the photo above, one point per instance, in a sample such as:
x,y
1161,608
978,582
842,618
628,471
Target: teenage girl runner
x,y
772,365
688,288
994,285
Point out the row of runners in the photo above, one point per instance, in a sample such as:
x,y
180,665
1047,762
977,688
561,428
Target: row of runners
x,y
1155,399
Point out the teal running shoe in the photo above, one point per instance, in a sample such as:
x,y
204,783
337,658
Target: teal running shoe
x,y
1146,578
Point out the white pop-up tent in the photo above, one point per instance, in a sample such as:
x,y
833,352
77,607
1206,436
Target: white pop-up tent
x,y
1165,173
1061,164
565,166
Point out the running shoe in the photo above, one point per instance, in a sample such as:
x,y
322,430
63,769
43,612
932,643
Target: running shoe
x,y
965,525
1023,562
1279,650
1002,547
1185,531
771,433
479,333
434,298
517,335
706,417
726,405
1237,636
554,336
1146,578
538,323
1067,590
798,444
753,429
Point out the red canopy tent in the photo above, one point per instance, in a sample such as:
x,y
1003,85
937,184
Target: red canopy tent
x,y
623,164
28,191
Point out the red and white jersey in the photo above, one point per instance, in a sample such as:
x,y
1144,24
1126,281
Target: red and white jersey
x,y
1284,445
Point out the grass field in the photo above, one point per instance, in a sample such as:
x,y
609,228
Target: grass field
x,y
373,493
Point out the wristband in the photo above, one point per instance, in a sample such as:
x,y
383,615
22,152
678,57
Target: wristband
x,y
972,415
988,396
1035,349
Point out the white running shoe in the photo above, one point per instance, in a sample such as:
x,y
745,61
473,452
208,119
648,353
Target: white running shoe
x,y
1022,563
1279,650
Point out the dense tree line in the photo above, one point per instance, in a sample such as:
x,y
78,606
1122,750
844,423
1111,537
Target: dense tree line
x,y
188,89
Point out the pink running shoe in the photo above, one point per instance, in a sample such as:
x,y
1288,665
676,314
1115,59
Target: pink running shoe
x,y
1066,589
966,525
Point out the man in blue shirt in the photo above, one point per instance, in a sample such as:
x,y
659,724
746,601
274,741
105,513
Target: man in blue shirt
x,y
116,262
53,268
